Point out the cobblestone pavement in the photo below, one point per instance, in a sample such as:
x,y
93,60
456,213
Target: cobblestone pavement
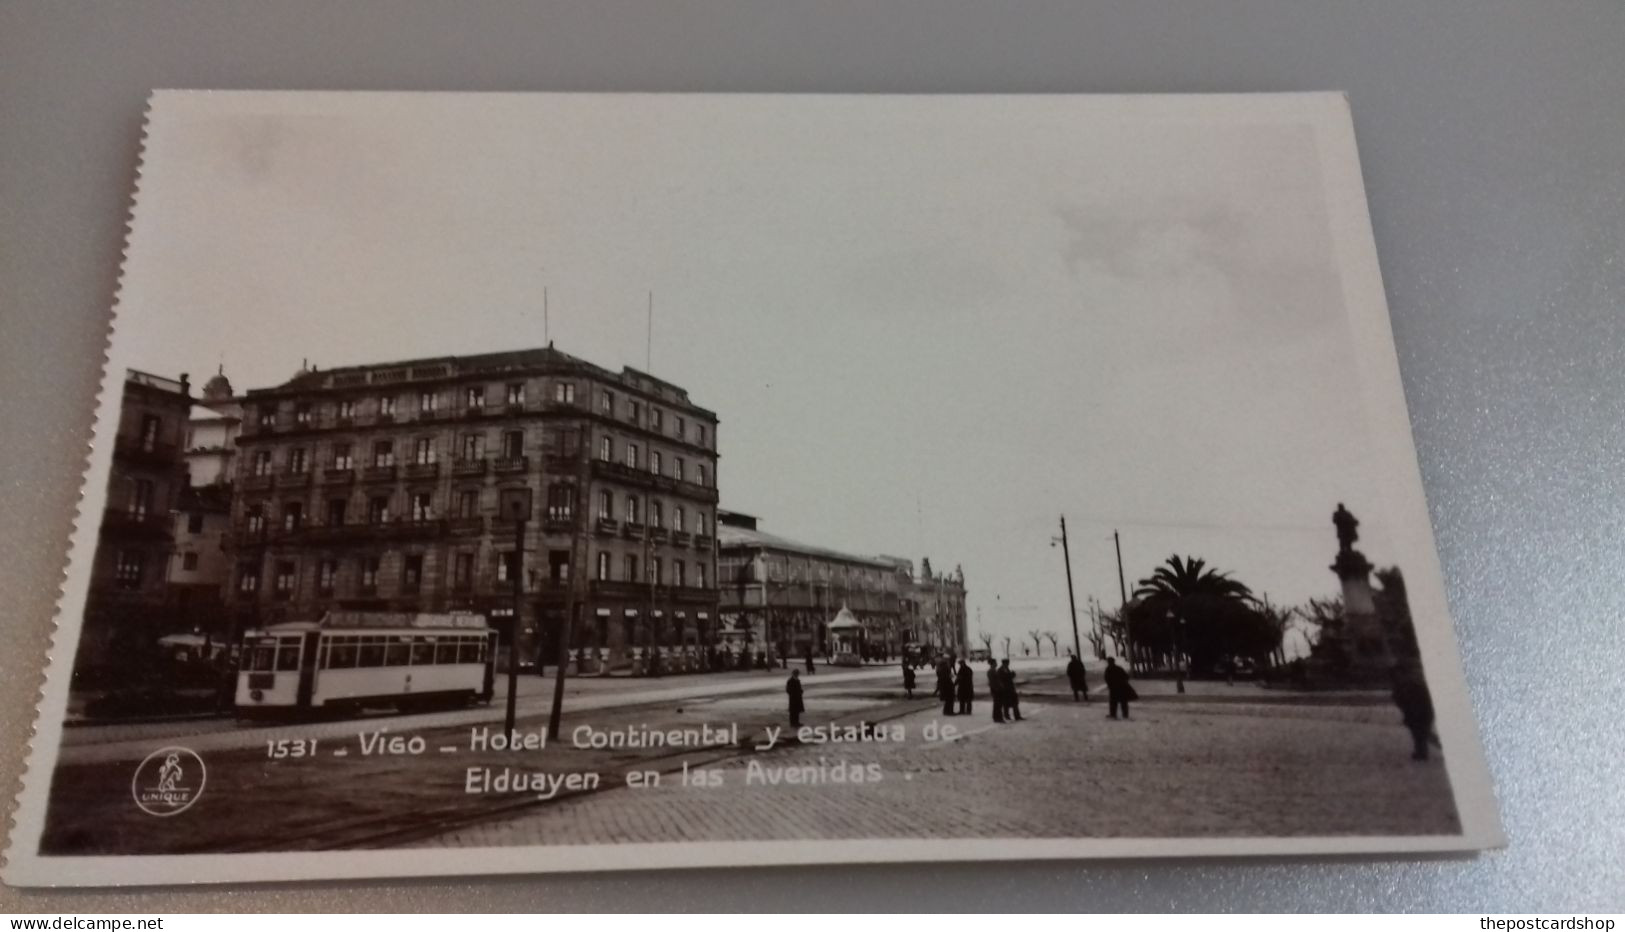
x,y
106,743
1196,766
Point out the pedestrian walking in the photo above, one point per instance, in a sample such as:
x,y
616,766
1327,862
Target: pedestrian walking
x,y
810,668
908,680
1012,699
1078,677
945,686
1119,691
965,684
1416,707
792,686
995,690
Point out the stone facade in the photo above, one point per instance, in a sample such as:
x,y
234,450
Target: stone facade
x,y
406,487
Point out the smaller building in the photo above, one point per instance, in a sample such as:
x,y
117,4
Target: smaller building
x,y
211,434
201,565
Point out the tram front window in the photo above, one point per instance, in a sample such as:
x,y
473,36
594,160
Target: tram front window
x,y
287,654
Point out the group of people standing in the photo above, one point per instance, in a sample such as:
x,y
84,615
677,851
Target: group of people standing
x,y
956,687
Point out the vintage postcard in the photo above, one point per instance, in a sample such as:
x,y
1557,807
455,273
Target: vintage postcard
x,y
503,483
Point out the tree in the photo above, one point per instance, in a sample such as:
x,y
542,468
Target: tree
x,y
1037,642
1054,642
1187,610
987,641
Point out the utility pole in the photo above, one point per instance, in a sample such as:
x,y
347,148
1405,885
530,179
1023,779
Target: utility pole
x,y
1071,600
577,583
518,572
1122,592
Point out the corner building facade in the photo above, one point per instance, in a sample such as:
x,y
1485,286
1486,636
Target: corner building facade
x,y
410,486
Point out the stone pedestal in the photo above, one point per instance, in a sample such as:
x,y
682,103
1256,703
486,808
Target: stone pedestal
x,y
1363,638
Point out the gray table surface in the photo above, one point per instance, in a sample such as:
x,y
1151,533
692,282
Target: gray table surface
x,y
1492,136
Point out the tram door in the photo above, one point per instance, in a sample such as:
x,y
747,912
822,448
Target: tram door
x,y
307,668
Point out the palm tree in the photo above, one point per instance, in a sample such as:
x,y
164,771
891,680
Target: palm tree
x,y
1186,608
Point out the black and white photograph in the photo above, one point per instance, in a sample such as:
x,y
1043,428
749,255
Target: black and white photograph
x,y
564,482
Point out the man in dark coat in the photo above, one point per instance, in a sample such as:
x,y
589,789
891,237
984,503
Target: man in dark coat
x,y
1078,677
965,683
945,686
908,680
792,686
1012,699
1416,706
995,690
1118,689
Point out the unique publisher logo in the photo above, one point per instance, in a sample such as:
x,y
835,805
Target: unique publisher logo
x,y
168,781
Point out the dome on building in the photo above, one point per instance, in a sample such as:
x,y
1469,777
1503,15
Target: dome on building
x,y
218,388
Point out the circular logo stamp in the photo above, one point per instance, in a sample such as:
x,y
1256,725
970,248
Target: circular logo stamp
x,y
168,781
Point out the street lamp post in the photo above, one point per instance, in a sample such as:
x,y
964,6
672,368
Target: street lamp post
x,y
517,571
1071,600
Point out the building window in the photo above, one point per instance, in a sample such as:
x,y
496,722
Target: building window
x,y
468,503
335,511
341,456
428,402
248,579
256,518
378,510
603,565
262,463
293,515
513,444
462,574
606,403
127,570
564,392
634,411
630,563
654,462
369,574
326,573
423,451
267,418
189,561
296,460
383,453
681,428
700,478
677,519
655,510
423,506
606,449
194,523
284,579
473,447
699,523
141,498
476,396
507,563
677,575
412,572
677,467
606,505
516,394
150,425
654,571
561,500
699,575
699,429
386,406
632,455
656,419
346,409
632,515
302,414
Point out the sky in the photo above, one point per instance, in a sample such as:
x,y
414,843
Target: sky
x,y
929,326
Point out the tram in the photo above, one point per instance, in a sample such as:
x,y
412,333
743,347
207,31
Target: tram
x,y
348,661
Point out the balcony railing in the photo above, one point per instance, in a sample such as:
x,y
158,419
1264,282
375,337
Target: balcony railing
x,y
620,472
475,525
508,464
633,529
379,474
257,483
293,480
422,470
608,526
658,534
146,524
703,541
681,538
151,451
469,467
338,475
